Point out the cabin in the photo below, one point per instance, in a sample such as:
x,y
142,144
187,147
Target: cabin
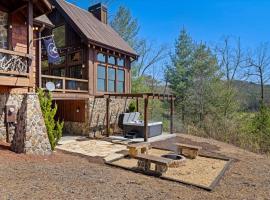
x,y
95,61
21,120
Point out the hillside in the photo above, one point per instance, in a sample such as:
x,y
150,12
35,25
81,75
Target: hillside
x,y
248,94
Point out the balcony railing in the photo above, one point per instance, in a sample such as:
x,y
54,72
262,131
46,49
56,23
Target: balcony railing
x,y
65,84
14,63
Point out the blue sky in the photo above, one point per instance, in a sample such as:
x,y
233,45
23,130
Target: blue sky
x,y
205,20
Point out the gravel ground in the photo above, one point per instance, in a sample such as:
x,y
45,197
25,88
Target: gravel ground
x,y
64,176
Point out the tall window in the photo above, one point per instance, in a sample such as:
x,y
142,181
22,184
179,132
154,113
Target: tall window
x,y
110,73
120,81
60,36
111,79
3,30
101,78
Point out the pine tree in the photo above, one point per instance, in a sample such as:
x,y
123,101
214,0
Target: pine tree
x,y
179,73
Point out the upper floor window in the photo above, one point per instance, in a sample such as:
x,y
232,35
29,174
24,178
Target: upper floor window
x,y
110,73
60,36
111,60
111,79
3,30
120,62
101,57
120,81
101,78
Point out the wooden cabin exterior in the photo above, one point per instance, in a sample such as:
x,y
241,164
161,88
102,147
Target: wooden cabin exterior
x,y
17,48
95,60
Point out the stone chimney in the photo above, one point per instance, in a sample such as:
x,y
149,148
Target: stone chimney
x,y
100,12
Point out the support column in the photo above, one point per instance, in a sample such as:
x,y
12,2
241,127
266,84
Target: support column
x,y
145,119
137,105
30,42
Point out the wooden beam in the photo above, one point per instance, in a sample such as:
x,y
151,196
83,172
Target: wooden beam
x,y
30,41
137,104
14,81
146,119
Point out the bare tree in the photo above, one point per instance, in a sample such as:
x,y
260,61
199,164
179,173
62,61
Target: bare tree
x,y
232,59
259,66
149,56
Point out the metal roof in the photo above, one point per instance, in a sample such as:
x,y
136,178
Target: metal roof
x,y
93,29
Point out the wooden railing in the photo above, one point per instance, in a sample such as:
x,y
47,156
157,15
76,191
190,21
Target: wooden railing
x,y
13,63
65,84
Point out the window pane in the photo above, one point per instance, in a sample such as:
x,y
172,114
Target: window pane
x,y
111,60
3,30
111,74
59,36
111,85
101,85
120,62
75,58
76,72
44,64
120,86
101,57
121,75
101,72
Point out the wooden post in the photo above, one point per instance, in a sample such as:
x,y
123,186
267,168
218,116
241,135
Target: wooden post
x,y
145,119
137,105
30,41
171,115
108,116
39,61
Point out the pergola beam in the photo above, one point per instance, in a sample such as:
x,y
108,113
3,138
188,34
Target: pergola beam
x,y
137,96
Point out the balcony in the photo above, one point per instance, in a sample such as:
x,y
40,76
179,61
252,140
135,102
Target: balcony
x,y
65,84
14,68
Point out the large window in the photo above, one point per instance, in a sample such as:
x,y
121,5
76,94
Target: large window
x,y
110,73
60,36
120,81
101,78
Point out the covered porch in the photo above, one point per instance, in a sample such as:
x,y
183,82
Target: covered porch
x,y
17,49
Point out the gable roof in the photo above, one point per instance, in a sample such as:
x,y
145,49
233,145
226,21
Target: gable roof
x,y
43,19
93,29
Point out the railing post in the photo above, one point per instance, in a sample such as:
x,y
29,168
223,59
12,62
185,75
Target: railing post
x,y
64,85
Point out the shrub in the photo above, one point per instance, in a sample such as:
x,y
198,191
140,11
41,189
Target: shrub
x,y
54,128
132,107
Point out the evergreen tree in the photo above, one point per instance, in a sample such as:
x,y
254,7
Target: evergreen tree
x,y
179,73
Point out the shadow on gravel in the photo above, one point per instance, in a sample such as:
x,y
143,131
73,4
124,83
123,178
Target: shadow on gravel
x,y
207,149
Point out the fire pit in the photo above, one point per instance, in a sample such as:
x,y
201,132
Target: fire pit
x,y
178,160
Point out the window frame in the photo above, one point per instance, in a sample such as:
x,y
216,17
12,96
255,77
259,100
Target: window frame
x,y
107,65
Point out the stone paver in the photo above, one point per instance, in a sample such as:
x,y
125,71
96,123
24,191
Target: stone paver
x,y
93,148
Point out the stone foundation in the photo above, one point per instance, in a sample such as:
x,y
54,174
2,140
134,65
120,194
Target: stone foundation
x,y
28,135
31,135
8,99
95,116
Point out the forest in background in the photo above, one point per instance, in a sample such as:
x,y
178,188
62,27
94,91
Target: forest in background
x,y
221,90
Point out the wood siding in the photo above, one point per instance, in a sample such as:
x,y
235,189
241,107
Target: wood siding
x,y
67,110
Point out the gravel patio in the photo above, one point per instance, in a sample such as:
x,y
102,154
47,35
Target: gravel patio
x,y
65,176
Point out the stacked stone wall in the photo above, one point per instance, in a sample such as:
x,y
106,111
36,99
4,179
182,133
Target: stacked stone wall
x,y
31,135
